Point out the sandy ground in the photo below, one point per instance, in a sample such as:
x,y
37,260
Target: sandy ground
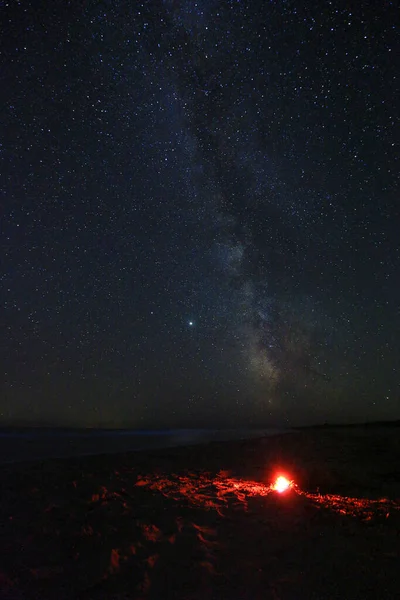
x,y
203,522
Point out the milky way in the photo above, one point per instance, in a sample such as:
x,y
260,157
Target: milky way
x,y
200,220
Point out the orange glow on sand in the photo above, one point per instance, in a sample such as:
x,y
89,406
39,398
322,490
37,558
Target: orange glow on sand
x,y
281,484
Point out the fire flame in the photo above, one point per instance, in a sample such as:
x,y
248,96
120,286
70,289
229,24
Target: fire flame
x,y
281,484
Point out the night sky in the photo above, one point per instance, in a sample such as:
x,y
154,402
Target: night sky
x,y
200,213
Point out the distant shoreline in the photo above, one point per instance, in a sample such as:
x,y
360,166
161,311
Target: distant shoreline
x,y
368,424
22,444
15,428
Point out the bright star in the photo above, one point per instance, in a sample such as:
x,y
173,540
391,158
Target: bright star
x,y
191,323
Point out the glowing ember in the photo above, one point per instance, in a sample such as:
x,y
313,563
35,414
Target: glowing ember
x,y
281,484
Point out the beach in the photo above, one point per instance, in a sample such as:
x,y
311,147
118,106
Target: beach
x,y
204,521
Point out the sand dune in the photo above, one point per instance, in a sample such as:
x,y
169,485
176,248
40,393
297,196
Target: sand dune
x,y
205,522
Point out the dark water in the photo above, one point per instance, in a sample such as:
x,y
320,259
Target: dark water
x,y
33,444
